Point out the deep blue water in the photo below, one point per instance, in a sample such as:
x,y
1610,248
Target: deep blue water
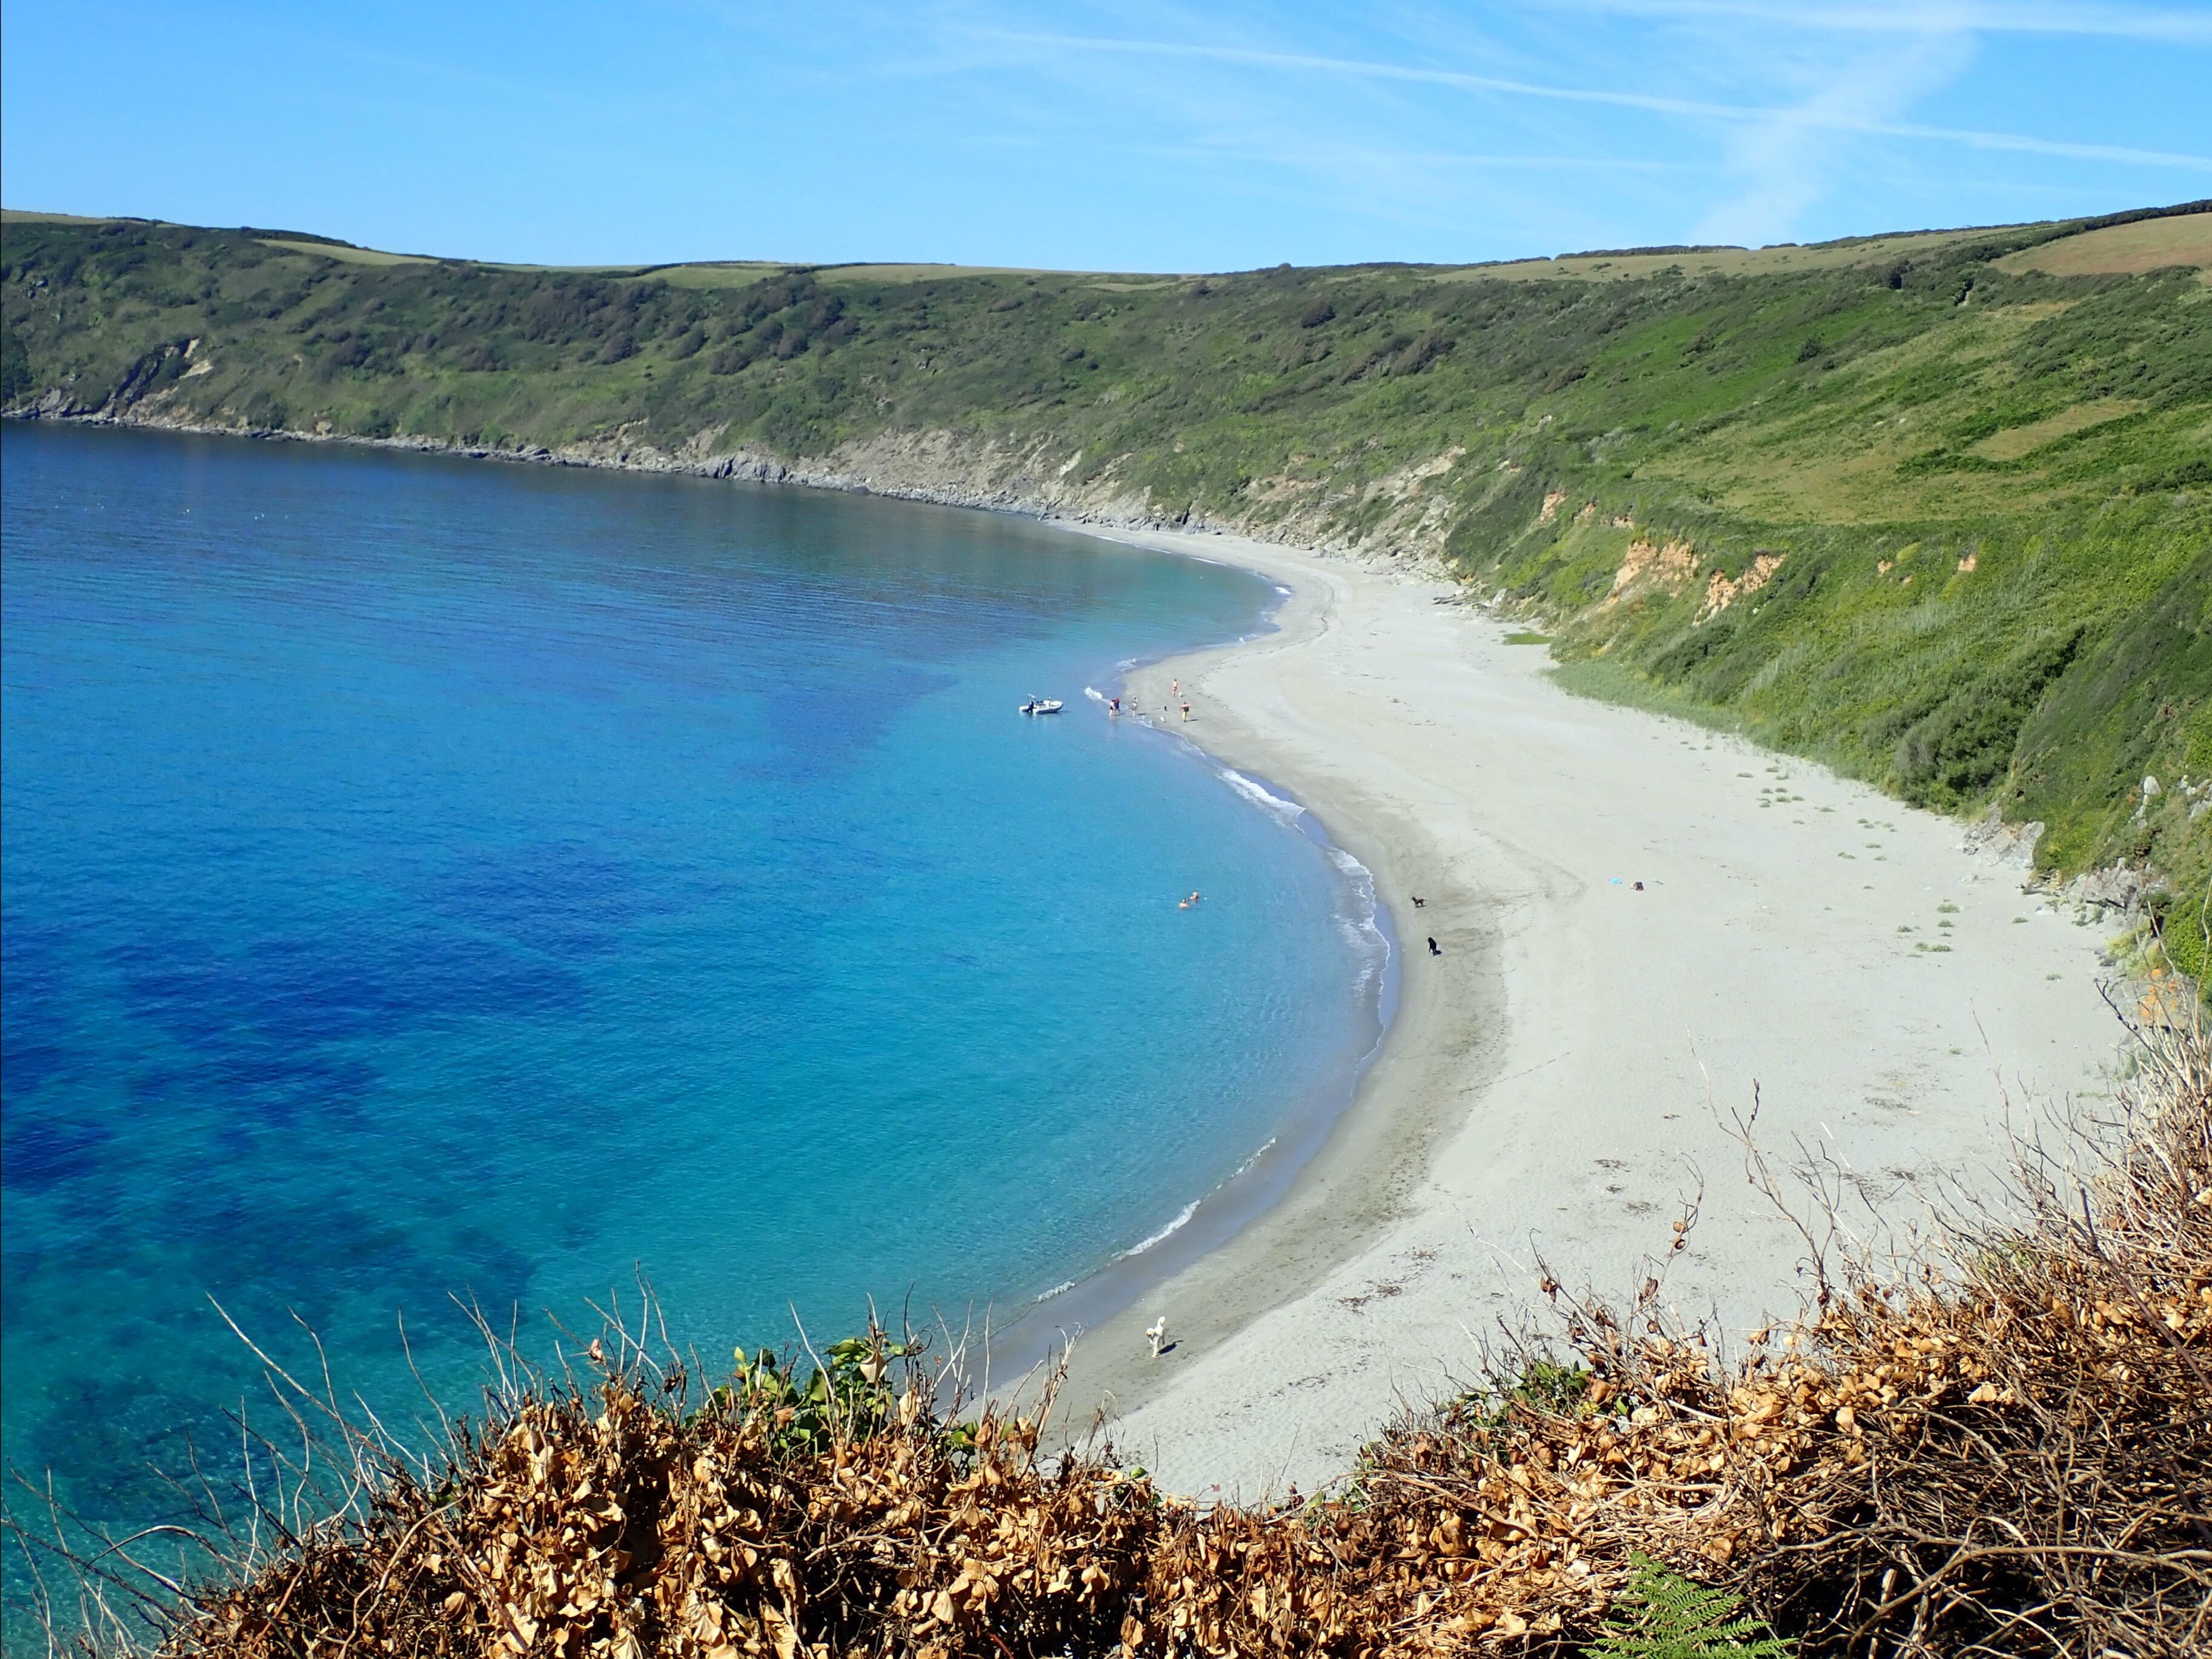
x,y
424,878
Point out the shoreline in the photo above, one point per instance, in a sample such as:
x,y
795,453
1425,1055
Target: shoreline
x,y
615,455
1557,1085
1366,1113
1538,1058
1347,1182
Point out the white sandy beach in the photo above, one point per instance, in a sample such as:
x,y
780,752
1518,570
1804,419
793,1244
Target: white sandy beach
x,y
1555,1081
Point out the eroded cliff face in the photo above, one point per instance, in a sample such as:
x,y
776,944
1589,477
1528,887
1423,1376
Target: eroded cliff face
x,y
1407,513
1404,515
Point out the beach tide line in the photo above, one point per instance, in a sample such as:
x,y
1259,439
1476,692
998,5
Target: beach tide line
x,y
1289,811
1362,928
1359,923
1182,1220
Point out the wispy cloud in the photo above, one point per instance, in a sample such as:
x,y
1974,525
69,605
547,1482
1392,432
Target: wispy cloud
x,y
1910,17
1787,160
1356,161
1823,113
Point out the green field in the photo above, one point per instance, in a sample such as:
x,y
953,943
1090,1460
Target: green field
x,y
1935,509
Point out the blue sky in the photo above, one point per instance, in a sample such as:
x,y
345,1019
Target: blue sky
x,y
1130,136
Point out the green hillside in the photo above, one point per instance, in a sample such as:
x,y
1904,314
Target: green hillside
x,y
1935,509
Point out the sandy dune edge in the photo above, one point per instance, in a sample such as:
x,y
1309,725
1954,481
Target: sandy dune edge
x,y
1554,1079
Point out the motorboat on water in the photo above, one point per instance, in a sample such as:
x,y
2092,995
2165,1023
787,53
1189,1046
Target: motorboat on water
x,y
1041,706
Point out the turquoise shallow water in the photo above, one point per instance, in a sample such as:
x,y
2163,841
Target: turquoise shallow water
x,y
423,878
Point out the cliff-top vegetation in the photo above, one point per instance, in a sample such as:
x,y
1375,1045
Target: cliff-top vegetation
x,y
1934,509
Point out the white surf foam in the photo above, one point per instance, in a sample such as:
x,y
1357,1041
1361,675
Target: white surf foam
x,y
1255,1158
1289,811
1358,922
1164,1233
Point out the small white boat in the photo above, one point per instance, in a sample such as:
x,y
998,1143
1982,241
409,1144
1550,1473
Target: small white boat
x,y
1041,706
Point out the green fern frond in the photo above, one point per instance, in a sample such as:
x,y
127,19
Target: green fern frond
x,y
1663,1615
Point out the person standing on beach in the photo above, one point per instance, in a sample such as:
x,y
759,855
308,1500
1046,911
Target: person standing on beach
x,y
1186,711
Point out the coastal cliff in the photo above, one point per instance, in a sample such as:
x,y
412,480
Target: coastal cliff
x,y
1920,507
1932,509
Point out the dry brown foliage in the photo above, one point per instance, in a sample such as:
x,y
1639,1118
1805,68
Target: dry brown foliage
x,y
2006,1449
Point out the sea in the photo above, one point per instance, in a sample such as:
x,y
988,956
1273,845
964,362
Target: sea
x,y
440,896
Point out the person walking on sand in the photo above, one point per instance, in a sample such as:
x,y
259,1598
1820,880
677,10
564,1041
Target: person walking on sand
x,y
1435,949
1186,711
1175,688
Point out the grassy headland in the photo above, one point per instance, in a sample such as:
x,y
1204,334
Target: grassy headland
x,y
1934,509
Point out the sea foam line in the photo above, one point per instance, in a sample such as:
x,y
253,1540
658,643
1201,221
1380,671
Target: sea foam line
x,y
1245,1167
1359,923
1288,811
1164,1233
1361,929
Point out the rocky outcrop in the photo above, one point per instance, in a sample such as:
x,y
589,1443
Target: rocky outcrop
x,y
1400,515
2011,846
1647,563
2117,891
1721,593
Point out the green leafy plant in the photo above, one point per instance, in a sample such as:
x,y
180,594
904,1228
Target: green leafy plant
x,y
850,1393
1542,1386
1663,1615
